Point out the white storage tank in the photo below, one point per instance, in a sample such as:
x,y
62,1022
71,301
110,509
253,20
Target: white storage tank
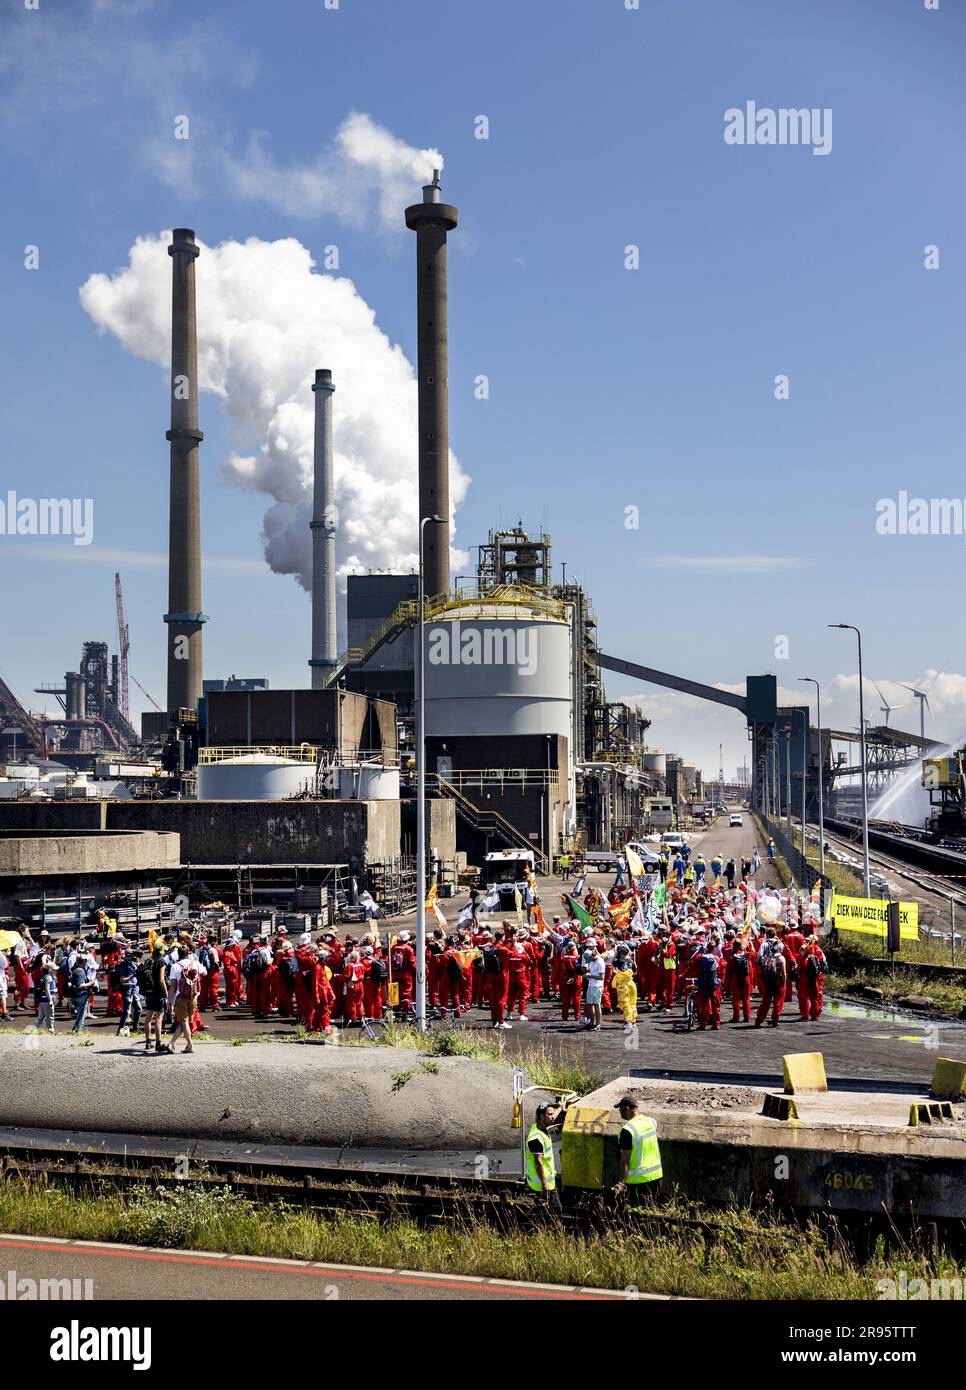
x,y
655,761
496,670
254,777
369,782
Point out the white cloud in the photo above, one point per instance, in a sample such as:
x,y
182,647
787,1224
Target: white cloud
x,y
266,321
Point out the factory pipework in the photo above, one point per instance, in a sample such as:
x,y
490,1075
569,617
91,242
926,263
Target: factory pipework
x,y
184,617
431,220
323,526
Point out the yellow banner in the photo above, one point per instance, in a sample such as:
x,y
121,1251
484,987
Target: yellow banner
x,y
870,915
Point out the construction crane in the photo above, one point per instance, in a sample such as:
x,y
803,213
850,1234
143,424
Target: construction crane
x,y
123,646
146,692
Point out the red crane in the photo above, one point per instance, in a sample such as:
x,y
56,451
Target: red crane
x,y
123,646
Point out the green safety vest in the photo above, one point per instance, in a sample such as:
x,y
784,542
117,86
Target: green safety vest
x,y
533,1177
645,1161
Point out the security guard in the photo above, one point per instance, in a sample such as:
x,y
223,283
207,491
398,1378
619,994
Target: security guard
x,y
641,1170
541,1171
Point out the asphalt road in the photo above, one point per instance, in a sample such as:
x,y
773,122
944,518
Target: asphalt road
x,y
138,1274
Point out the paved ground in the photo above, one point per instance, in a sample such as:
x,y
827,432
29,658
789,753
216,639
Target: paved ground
x,y
856,1041
129,1272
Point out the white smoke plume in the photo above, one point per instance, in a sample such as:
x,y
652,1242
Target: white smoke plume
x,y
266,321
364,163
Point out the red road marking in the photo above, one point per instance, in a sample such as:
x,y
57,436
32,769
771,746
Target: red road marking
x,y
326,1272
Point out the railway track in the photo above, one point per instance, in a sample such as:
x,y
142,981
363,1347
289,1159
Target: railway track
x,y
939,889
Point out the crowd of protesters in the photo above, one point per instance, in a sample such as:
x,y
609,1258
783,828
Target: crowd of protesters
x,y
653,940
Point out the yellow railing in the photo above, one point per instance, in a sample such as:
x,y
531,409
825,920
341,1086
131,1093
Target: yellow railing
x,y
302,752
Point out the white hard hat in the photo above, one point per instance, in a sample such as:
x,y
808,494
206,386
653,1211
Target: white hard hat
x,y
305,939
404,936
236,935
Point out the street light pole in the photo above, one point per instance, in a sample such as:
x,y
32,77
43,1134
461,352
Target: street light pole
x,y
821,796
788,781
850,627
421,791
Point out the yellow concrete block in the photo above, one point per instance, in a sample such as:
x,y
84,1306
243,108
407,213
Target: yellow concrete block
x,y
804,1071
948,1079
779,1107
582,1146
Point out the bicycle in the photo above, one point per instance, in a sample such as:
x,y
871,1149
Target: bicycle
x,y
690,1019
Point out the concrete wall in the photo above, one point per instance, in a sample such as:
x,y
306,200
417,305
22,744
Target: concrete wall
x,y
94,852
329,718
440,827
239,832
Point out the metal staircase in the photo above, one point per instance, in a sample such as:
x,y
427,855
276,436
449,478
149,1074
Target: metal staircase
x,y
486,822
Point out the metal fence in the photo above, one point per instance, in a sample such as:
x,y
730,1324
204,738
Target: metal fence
x,y
804,874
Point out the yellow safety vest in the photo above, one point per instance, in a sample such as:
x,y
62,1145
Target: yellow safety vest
x,y
645,1161
533,1177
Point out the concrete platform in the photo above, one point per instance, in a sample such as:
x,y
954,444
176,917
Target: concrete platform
x,y
848,1150
274,1092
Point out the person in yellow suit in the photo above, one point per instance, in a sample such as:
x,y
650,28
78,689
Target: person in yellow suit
x,y
624,986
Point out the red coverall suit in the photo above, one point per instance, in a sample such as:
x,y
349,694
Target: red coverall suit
x,y
738,984
284,983
403,960
571,985
260,989
353,975
794,941
519,960
480,988
812,981
708,1002
498,985
372,988
324,996
231,964
305,1000
772,993
21,978
648,967
450,981
208,999
110,949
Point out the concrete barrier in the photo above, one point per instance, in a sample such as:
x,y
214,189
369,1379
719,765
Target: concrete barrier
x,y
948,1079
804,1072
287,1092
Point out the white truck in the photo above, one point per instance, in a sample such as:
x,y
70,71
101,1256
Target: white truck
x,y
506,870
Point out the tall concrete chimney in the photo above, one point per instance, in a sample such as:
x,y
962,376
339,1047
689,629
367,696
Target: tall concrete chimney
x,y
431,220
184,616
323,526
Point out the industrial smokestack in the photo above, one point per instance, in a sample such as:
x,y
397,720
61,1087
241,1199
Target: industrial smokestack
x,y
184,617
431,220
323,525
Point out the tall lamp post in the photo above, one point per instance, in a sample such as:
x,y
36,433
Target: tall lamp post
x,y
850,627
810,680
788,780
421,791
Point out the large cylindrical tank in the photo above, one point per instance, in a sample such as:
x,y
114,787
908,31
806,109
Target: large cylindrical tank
x,y
655,762
254,777
491,671
369,782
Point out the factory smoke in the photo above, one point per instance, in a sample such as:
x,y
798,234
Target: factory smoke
x,y
266,319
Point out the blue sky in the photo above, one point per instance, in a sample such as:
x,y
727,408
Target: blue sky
x,y
609,388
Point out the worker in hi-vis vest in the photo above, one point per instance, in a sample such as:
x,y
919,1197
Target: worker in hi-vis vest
x,y
641,1170
540,1169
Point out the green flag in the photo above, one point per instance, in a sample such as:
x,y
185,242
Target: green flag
x,y
660,895
581,913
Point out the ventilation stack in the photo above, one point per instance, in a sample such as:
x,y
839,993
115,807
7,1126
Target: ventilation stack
x,y
323,525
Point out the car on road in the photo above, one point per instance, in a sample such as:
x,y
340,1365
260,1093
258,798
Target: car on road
x,y
674,840
735,819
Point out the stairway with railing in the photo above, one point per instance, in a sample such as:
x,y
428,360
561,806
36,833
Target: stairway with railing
x,y
486,822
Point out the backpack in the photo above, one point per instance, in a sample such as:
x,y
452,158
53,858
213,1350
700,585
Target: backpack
x,y
491,961
707,973
769,968
290,965
740,967
145,977
189,984
814,966
253,964
378,971
454,970
208,959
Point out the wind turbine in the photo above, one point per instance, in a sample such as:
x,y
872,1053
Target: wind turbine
x,y
885,707
923,697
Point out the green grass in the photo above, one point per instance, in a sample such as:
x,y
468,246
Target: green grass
x,y
777,1260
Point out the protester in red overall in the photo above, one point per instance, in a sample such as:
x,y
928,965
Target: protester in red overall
x,y
811,972
496,967
110,949
305,983
353,975
537,951
708,994
519,960
649,970
434,953
402,960
450,981
373,983
480,939
571,981
668,965
21,981
772,976
738,971
208,956
231,958
793,941
261,967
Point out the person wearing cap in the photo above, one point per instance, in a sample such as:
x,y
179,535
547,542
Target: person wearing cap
x,y
231,960
402,958
640,1154
519,961
594,971
83,982
127,984
46,994
540,1168
571,981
